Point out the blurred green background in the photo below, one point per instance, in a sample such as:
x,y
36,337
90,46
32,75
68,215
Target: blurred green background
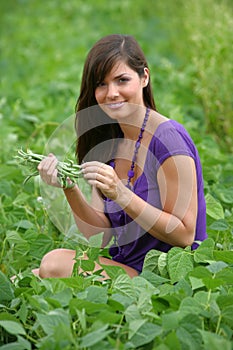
x,y
43,45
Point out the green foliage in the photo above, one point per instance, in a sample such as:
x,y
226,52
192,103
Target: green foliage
x,y
201,36
183,299
191,308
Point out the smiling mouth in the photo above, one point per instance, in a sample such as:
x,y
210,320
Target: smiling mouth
x,y
115,105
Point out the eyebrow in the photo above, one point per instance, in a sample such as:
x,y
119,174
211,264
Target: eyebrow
x,y
120,75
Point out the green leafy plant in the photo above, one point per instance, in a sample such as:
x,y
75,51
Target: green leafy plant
x,y
182,299
190,295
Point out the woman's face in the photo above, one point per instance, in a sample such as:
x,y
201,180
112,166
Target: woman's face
x,y
122,86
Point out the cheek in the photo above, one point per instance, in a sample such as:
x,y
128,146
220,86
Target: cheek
x,y
133,90
99,95
96,95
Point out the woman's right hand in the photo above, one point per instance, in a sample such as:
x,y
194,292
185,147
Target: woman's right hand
x,y
48,171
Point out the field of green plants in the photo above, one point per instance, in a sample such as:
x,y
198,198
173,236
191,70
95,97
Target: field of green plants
x,y
183,300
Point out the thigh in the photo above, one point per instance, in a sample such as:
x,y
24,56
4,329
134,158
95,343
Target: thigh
x,y
60,263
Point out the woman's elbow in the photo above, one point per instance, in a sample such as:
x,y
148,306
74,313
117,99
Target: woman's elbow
x,y
188,237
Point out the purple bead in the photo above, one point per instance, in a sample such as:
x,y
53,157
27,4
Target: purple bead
x,y
134,158
130,174
137,145
112,164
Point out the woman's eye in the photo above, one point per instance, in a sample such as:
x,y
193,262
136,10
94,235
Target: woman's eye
x,y
123,80
100,84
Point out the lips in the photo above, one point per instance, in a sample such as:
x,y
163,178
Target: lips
x,y
115,105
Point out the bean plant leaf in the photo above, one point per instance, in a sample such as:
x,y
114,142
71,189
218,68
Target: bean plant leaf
x,y
170,320
123,285
6,291
205,251
162,264
227,315
145,333
216,266
12,327
142,285
90,307
171,341
225,303
87,265
196,283
78,283
113,271
52,320
132,313
151,261
20,344
183,286
214,341
41,245
180,262
225,194
14,237
62,298
97,294
188,332
226,275
24,224
94,337
190,306
226,256
153,278
213,207
96,240
219,225
134,326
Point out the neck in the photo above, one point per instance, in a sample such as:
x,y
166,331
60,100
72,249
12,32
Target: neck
x,y
132,126
130,131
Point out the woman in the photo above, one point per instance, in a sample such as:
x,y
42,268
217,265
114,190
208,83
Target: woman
x,y
145,172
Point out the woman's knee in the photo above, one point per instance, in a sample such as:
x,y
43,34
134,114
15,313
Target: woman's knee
x,y
57,263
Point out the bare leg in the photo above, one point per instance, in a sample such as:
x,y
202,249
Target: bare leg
x,y
60,263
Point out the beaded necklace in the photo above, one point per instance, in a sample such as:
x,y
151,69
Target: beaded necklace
x,y
131,172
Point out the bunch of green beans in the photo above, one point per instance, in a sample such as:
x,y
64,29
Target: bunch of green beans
x,y
65,169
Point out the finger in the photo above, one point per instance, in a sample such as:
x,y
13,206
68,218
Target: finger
x,y
103,170
52,166
54,178
101,186
48,171
97,177
48,164
92,163
93,167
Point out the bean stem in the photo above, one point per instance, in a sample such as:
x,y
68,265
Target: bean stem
x,y
65,169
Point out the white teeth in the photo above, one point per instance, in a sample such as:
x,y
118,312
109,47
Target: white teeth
x,y
115,105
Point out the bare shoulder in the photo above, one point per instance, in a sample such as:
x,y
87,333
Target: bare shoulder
x,y
154,121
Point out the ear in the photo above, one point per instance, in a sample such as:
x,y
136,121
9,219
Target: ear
x,y
146,77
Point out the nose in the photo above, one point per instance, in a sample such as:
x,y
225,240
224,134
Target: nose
x,y
112,91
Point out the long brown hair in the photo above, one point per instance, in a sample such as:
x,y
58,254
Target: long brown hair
x,y
92,125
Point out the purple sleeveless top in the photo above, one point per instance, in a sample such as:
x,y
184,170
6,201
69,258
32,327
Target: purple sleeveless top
x,y
132,243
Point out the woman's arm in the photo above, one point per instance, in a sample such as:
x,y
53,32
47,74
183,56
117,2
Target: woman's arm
x,y
176,222
89,218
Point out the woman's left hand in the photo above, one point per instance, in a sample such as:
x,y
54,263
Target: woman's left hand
x,y
103,177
